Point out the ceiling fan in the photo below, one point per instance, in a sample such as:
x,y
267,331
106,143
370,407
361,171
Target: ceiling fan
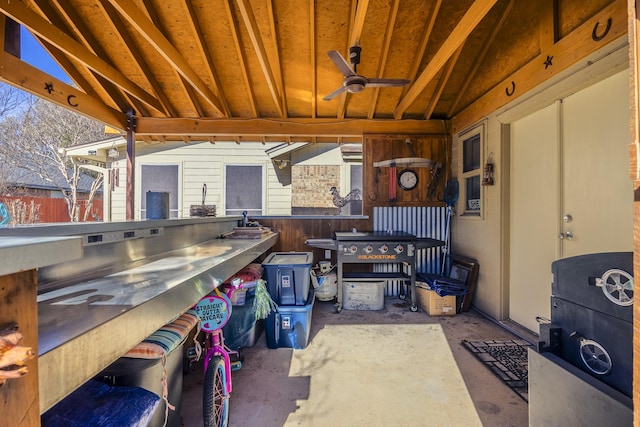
x,y
353,82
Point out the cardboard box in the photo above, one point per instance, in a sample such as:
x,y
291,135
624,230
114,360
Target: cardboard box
x,y
433,304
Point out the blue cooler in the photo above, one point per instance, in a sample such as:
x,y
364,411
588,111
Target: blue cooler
x,y
288,277
289,326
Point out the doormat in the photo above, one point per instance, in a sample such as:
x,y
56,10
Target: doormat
x,y
507,359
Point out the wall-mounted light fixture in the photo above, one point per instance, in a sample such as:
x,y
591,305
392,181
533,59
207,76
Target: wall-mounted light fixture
x,y
282,163
487,173
113,152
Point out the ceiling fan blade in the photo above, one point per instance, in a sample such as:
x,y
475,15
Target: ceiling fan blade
x,y
334,93
387,82
341,63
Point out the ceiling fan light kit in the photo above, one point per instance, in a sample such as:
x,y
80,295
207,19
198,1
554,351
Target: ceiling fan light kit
x,y
353,82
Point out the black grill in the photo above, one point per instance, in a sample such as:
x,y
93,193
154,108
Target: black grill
x,y
587,329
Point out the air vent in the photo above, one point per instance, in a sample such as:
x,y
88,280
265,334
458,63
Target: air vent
x,y
129,234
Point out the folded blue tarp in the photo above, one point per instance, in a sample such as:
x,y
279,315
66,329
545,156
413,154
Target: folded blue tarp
x,y
443,286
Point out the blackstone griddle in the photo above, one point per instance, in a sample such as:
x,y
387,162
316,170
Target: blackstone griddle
x,y
376,247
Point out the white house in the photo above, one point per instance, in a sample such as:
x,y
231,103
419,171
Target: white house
x,y
260,178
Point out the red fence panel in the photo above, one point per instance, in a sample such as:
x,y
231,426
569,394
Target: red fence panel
x,y
51,209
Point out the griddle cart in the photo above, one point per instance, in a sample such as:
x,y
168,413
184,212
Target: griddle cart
x,y
376,247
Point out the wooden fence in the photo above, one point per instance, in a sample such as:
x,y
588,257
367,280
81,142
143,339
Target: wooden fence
x,y
50,209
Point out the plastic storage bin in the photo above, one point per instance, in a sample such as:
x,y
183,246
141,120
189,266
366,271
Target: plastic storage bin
x,y
289,326
363,295
242,330
288,277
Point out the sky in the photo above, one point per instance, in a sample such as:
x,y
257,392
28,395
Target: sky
x,y
33,53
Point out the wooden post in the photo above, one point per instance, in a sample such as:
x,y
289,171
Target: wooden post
x,y
19,398
634,173
131,166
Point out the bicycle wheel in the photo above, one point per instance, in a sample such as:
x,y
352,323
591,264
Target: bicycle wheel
x,y
215,399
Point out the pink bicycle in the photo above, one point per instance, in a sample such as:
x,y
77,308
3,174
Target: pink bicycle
x,y
214,312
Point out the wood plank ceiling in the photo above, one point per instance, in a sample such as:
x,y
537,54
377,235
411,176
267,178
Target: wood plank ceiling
x,y
259,69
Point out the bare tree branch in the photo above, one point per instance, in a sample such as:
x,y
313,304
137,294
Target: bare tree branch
x,y
34,141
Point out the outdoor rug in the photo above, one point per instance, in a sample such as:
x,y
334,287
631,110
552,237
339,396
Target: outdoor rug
x,y
506,359
380,375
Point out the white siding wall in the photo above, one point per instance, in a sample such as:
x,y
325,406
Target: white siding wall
x,y
201,163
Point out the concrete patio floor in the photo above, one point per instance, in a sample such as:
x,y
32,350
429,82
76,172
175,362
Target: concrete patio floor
x,y
265,395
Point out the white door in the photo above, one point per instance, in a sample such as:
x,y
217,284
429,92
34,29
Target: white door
x,y
533,214
570,190
598,193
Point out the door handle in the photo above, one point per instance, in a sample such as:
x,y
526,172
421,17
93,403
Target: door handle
x,y
568,235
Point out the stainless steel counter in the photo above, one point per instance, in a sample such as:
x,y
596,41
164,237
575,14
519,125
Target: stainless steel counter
x,y
86,326
27,253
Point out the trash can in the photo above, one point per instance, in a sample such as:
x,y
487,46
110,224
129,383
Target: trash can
x,y
288,277
157,205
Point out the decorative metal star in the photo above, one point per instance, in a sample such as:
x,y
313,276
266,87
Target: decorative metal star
x,y
548,62
48,87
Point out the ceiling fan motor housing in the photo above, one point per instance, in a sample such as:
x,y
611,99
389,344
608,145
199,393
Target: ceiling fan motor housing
x,y
354,84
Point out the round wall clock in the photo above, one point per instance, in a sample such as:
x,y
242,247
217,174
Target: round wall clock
x,y
408,179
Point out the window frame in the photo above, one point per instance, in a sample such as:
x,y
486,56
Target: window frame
x,y
475,173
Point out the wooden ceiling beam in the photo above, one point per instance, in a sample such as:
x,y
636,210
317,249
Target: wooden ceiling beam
x,y
479,59
156,38
233,24
358,12
113,93
61,19
198,37
424,41
384,55
254,34
442,82
28,78
312,58
358,22
284,127
189,91
277,69
118,26
548,23
465,26
20,13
